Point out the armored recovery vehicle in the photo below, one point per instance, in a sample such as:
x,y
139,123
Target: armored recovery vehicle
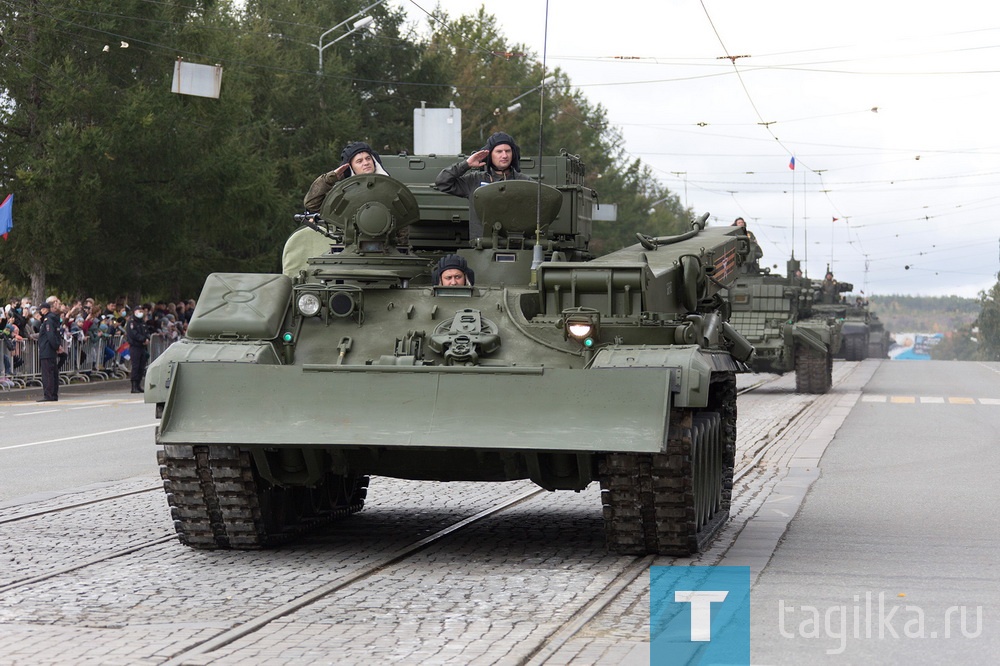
x,y
777,314
291,389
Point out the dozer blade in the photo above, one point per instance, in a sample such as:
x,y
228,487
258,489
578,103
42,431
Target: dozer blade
x,y
621,410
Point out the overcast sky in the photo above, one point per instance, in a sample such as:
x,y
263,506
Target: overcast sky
x,y
886,105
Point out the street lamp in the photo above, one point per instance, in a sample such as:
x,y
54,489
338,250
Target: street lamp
x,y
358,25
513,106
652,204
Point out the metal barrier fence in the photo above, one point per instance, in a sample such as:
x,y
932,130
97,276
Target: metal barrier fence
x,y
83,360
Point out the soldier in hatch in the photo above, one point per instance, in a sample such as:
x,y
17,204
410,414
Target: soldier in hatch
x,y
453,271
356,158
500,160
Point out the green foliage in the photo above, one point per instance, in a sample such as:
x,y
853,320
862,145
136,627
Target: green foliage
x,y
988,324
960,345
971,326
925,314
123,187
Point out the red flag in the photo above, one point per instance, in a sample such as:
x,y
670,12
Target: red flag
x,y
835,219
791,163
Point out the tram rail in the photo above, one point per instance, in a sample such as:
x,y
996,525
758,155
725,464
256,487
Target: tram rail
x,y
631,568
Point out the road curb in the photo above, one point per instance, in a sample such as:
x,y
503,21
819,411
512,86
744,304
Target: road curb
x,y
35,392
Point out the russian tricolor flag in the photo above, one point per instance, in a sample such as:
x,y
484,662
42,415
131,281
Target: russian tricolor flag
x,y
791,163
7,216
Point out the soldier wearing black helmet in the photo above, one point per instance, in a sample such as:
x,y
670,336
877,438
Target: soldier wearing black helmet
x,y
499,160
356,158
453,271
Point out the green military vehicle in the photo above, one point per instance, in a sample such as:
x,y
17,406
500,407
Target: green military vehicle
x,y
291,389
778,315
879,338
854,317
864,334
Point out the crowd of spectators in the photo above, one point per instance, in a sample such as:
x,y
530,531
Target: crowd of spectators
x,y
86,320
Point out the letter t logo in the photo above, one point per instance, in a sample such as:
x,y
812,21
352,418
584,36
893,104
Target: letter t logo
x,y
701,610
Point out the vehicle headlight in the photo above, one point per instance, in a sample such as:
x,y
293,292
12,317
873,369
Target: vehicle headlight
x,y
582,324
308,304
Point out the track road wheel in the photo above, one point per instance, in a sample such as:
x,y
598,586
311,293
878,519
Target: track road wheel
x,y
218,500
813,370
669,503
855,348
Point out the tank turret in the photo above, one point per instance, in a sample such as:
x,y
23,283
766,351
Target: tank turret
x,y
780,316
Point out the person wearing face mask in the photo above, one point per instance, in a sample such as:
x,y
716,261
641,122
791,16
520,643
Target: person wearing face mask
x,y
356,159
137,335
49,348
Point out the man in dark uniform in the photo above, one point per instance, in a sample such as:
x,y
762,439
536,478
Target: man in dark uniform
x,y
356,159
49,348
500,160
829,289
137,334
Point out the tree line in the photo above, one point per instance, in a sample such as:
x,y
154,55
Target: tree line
x,y
971,326
124,188
925,314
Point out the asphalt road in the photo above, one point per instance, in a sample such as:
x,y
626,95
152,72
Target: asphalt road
x,y
892,558
98,435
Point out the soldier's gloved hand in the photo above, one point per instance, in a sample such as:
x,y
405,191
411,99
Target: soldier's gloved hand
x,y
333,176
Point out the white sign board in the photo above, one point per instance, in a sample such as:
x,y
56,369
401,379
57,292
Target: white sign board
x,y
437,131
606,212
198,80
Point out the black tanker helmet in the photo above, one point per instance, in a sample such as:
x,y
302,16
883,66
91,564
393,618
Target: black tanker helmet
x,y
355,147
498,138
450,261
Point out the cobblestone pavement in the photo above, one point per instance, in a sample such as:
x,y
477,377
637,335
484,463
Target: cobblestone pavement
x,y
620,634
80,534
490,594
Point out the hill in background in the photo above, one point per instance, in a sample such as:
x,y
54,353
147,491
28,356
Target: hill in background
x,y
925,314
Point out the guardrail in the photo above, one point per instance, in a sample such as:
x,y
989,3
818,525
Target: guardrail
x,y
83,360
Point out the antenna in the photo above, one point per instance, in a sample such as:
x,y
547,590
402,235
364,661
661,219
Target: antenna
x,y
537,256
